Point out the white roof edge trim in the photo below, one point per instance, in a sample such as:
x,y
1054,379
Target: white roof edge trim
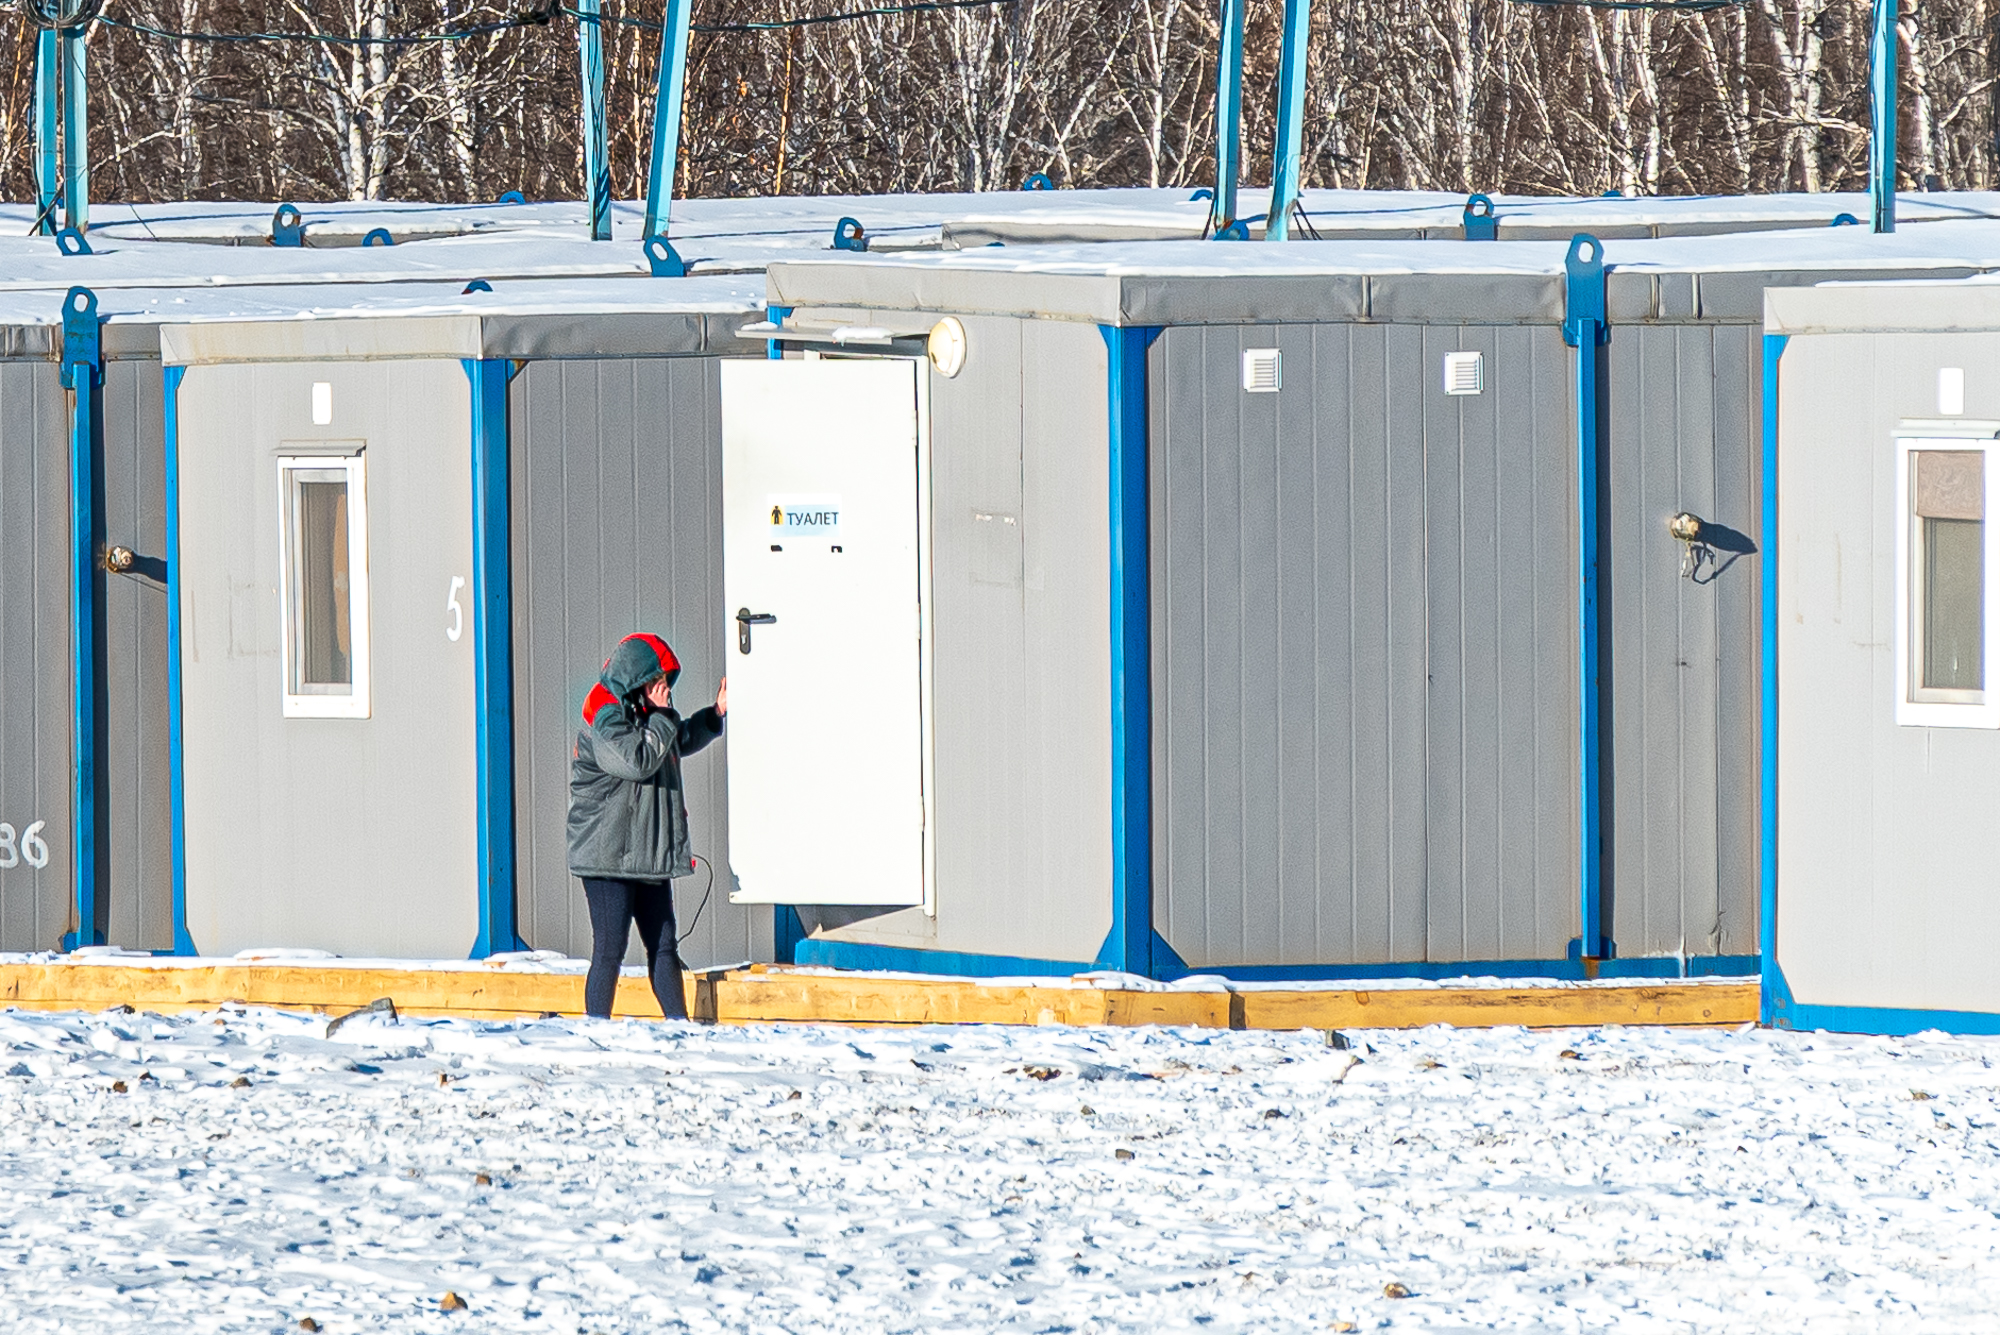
x,y
367,338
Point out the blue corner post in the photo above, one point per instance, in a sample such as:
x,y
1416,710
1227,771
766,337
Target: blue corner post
x,y
1585,329
1882,99
1776,996
82,373
1285,165
170,399
48,119
596,142
1228,116
75,130
493,655
669,93
1129,948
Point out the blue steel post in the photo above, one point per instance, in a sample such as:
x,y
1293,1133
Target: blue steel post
x,y
48,158
75,131
596,144
1228,116
1129,947
1291,117
82,372
493,655
1882,97
1584,329
1774,991
667,99
170,397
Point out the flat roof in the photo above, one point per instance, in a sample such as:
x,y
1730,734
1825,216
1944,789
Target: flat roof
x,y
1714,278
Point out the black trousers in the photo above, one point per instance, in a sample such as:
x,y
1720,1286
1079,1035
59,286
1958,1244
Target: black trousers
x,y
614,907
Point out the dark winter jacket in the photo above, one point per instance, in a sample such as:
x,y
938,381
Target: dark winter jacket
x,y
627,818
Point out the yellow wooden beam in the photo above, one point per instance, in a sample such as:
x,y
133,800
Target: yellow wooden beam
x,y
779,994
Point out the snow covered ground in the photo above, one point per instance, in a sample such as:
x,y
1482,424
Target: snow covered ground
x,y
240,1171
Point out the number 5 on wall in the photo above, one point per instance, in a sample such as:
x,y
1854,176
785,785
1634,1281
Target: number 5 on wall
x,y
457,626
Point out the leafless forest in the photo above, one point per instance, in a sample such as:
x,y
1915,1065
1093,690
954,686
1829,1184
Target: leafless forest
x,y
1435,94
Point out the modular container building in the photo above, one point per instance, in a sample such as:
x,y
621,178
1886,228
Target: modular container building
x,y
1318,609
557,427
1882,853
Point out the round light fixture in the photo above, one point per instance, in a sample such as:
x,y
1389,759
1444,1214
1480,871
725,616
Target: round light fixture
x,y
947,346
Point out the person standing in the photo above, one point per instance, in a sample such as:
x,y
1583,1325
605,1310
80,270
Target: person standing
x,y
628,826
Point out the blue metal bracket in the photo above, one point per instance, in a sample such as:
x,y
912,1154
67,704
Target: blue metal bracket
x,y
512,197
1767,759
170,437
476,285
1882,106
1038,181
848,234
1584,329
773,349
288,226
1478,219
378,237
1200,195
1235,231
1129,947
668,95
1844,220
1285,164
493,655
1228,118
71,242
664,260
82,373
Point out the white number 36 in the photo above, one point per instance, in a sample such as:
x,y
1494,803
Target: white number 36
x,y
457,626
31,849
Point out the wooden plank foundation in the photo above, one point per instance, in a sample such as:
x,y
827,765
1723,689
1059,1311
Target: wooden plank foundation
x,y
765,994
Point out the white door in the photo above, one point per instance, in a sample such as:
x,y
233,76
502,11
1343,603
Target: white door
x,y
822,543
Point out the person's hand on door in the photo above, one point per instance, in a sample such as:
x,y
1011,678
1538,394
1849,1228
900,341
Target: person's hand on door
x,y
722,699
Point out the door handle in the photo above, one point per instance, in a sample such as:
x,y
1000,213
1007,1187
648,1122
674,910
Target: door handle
x,y
745,619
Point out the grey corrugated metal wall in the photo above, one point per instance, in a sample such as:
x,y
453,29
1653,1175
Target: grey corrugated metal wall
x,y
1681,690
138,871
34,650
1363,648
617,518
1020,583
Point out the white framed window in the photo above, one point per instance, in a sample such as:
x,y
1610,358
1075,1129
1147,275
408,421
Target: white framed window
x,y
323,584
1947,582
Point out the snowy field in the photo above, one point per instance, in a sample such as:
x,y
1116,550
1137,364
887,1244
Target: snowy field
x,y
240,1171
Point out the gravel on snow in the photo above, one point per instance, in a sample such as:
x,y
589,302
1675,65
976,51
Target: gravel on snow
x,y
239,1171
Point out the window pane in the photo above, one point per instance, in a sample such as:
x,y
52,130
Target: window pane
x,y
324,631
1953,602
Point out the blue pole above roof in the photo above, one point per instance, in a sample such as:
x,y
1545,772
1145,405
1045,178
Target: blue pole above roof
x,y
596,142
1882,98
1228,116
493,655
1584,329
48,157
75,130
670,91
1285,166
82,373
1129,947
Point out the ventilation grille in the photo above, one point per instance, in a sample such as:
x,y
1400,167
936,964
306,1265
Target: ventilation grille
x,y
1262,371
1464,373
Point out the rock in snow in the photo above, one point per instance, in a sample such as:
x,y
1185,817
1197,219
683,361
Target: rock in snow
x,y
622,1176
